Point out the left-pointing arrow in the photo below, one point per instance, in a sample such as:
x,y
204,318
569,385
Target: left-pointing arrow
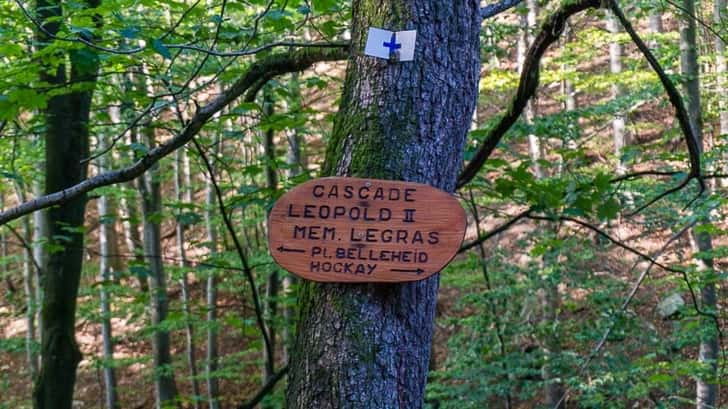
x,y
287,250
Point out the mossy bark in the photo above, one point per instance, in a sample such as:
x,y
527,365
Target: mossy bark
x,y
368,346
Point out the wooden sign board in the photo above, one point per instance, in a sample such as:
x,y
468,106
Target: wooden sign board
x,y
365,230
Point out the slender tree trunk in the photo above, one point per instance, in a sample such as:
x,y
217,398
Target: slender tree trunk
x,y
149,187
130,206
368,346
183,194
66,145
213,388
132,238
296,164
655,26
40,254
29,285
272,283
619,133
106,273
528,25
706,388
720,14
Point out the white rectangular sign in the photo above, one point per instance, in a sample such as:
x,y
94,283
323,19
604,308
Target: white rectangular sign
x,y
382,43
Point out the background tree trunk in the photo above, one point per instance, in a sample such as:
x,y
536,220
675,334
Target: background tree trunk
x,y
149,187
529,23
619,132
706,387
720,13
272,283
184,195
368,346
213,388
106,272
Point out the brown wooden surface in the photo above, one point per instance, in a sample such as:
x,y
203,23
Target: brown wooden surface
x,y
340,229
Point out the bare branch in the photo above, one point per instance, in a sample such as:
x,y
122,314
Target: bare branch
x,y
239,248
549,34
256,50
500,229
691,139
275,64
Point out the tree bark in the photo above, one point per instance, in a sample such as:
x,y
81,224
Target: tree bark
x,y
706,388
368,346
66,145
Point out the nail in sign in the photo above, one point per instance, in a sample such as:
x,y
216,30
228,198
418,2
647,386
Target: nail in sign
x,y
365,230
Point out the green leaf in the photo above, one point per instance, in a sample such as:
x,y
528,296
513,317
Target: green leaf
x,y
609,209
162,49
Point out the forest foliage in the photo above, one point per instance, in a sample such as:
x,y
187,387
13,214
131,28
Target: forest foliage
x,y
579,277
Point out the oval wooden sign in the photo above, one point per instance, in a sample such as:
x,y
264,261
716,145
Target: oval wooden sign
x,y
340,229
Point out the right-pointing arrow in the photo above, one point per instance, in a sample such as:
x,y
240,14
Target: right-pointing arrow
x,y
417,271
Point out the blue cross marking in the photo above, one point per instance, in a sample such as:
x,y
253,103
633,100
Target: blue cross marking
x,y
392,44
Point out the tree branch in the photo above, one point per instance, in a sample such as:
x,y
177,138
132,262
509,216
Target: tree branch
x,y
676,100
272,65
500,229
265,390
549,34
496,8
239,248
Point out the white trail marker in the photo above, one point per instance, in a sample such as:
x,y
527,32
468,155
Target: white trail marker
x,y
387,44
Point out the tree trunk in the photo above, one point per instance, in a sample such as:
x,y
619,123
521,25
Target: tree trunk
x,y
40,254
706,388
619,133
66,145
528,25
106,274
149,187
721,69
296,165
183,194
368,346
655,26
29,285
272,283
130,207
213,388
